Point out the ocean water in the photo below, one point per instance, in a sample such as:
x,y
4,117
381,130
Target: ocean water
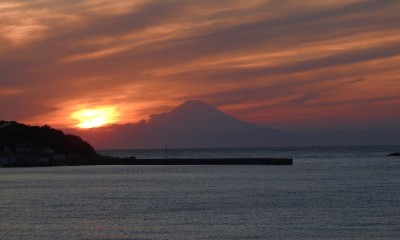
x,y
329,193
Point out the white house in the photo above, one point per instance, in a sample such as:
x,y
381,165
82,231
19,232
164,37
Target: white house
x,y
59,157
48,151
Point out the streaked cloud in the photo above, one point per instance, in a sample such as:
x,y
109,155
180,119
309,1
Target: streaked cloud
x,y
286,64
10,91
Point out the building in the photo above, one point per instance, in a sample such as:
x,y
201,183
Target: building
x,y
6,160
24,154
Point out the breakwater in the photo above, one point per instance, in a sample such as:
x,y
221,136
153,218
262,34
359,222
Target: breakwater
x,y
172,161
214,161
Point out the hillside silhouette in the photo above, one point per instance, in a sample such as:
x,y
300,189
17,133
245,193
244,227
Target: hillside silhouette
x,y
14,134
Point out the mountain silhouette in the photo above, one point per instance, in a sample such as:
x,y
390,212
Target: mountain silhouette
x,y
193,124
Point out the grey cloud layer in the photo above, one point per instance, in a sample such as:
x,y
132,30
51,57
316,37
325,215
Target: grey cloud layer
x,y
40,66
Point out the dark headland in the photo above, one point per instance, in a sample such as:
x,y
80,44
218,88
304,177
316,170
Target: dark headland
x,y
33,146
395,154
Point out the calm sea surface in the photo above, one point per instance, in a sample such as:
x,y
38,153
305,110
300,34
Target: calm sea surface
x,y
329,193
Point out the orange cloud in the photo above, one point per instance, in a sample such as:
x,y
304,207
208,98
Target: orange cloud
x,y
284,64
10,91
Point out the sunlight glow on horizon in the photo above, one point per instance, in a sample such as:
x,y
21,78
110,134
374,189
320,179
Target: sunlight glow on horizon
x,y
95,117
285,66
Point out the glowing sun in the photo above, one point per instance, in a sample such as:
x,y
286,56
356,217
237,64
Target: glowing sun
x,y
96,117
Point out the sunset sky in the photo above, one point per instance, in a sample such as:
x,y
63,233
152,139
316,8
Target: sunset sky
x,y
286,64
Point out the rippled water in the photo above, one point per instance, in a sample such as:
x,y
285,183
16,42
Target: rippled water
x,y
329,193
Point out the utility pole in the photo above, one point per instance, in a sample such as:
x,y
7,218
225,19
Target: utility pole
x,y
166,151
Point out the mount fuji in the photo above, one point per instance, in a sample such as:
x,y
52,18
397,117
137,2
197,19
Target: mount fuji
x,y
193,124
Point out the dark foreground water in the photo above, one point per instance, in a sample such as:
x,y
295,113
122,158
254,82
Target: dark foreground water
x,y
329,193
